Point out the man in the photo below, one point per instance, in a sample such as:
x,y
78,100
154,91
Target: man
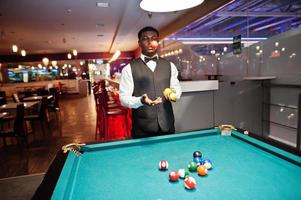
x,y
141,88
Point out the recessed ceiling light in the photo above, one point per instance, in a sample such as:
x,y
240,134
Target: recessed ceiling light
x,y
102,4
69,10
99,35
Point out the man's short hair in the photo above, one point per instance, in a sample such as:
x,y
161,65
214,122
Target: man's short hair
x,y
145,29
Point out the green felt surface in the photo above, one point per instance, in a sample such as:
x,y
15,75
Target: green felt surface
x,y
129,170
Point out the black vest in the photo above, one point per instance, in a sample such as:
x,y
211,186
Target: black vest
x,y
152,120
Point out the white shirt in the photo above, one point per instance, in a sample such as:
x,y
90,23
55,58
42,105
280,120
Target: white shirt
x,y
126,85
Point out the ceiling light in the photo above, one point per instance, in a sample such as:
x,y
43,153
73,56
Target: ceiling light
x,y
115,56
23,52
74,52
168,5
15,48
54,63
102,4
45,61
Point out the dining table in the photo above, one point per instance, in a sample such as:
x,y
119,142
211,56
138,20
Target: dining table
x,y
10,106
37,98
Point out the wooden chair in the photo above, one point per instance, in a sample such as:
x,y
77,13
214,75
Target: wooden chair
x,y
40,116
16,98
2,98
19,130
54,106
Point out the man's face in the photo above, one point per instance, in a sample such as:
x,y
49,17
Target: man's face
x,y
145,43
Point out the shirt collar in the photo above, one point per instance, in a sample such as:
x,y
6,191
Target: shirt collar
x,y
143,56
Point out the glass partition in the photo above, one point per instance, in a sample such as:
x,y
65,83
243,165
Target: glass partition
x,y
254,42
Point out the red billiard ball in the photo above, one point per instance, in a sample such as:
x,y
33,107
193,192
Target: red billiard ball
x,y
163,165
173,175
189,183
154,44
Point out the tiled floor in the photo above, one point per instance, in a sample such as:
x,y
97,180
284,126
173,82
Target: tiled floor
x,y
77,125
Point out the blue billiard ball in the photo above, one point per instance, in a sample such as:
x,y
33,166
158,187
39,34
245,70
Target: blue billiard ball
x,y
197,160
207,163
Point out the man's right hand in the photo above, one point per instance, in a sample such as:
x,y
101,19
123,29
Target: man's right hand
x,y
147,101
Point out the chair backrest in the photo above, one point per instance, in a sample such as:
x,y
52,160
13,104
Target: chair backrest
x,y
19,124
56,99
3,98
52,91
42,108
42,92
16,98
56,96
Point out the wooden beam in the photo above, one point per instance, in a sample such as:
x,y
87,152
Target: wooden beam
x,y
191,16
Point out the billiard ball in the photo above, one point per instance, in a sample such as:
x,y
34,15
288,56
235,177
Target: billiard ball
x,y
192,166
189,183
154,44
173,96
183,173
197,154
167,91
173,175
197,160
202,170
163,165
207,163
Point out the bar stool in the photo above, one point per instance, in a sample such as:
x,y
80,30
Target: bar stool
x,y
105,114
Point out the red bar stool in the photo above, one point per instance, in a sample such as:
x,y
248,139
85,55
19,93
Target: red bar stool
x,y
106,116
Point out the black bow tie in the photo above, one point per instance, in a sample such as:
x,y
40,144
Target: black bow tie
x,y
147,59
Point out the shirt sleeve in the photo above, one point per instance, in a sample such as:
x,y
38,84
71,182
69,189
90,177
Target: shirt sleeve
x,y
174,81
126,89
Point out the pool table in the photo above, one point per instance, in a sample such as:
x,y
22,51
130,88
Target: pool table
x,y
243,168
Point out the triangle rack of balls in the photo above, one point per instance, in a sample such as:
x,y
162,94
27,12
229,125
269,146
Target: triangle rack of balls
x,y
198,164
